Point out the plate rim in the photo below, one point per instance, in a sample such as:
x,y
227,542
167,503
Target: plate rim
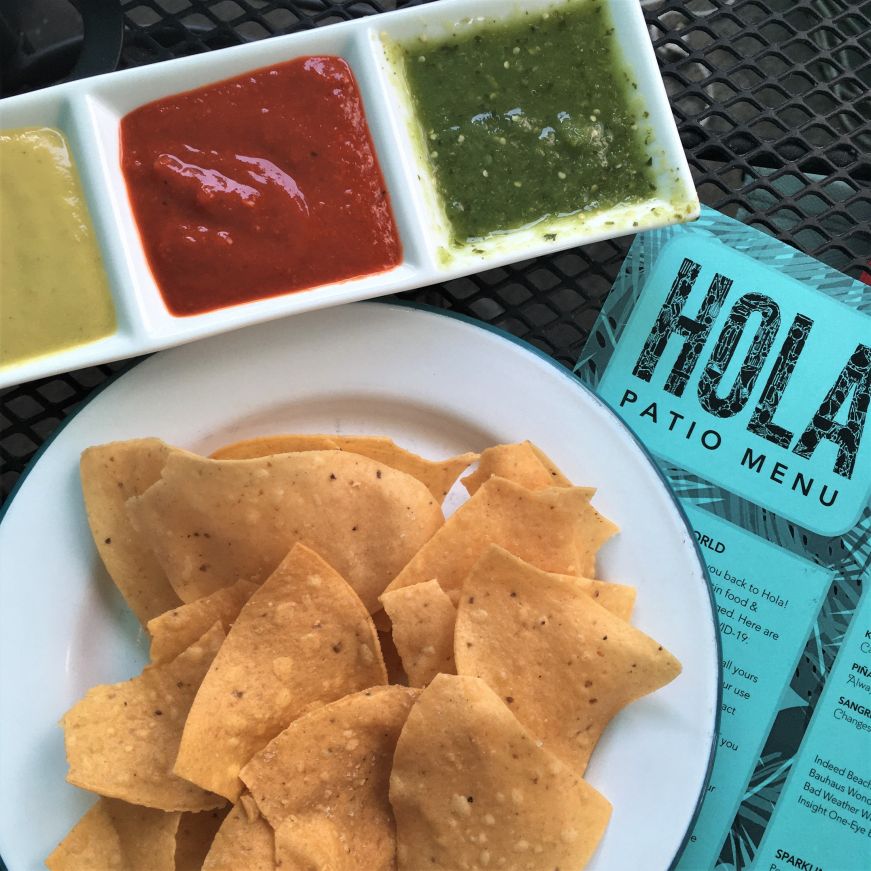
x,y
564,371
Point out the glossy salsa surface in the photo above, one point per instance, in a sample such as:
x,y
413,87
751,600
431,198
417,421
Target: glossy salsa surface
x,y
258,186
54,294
527,119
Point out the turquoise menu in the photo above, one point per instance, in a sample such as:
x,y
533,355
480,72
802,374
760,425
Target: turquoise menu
x,y
745,368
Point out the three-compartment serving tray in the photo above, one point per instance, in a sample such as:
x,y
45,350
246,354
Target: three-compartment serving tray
x,y
88,113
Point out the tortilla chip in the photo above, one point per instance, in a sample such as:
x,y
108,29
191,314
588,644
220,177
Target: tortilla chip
x,y
122,739
252,812
439,475
196,832
337,758
555,529
564,664
423,619
472,788
392,661
242,844
214,522
92,843
517,462
111,474
619,599
303,639
147,836
176,630
116,836
558,479
313,843
265,446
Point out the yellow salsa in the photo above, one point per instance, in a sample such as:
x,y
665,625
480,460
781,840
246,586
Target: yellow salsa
x,y
53,289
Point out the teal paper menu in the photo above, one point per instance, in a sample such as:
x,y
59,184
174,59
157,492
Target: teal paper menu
x,y
745,368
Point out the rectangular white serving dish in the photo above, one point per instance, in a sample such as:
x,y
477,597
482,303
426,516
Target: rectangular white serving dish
x,y
89,111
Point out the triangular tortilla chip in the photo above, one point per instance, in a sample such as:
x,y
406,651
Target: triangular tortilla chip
x,y
423,619
556,529
147,836
176,630
472,788
313,843
111,474
122,739
520,463
563,663
336,762
92,843
438,475
196,832
558,479
249,806
214,522
116,836
303,639
265,446
619,599
242,844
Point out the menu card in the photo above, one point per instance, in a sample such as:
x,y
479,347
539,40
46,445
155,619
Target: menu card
x,y
744,367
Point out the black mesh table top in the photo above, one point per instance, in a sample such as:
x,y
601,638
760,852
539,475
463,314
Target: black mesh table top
x,y
772,99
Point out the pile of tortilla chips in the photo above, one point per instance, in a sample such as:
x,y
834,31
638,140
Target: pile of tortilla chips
x,y
341,679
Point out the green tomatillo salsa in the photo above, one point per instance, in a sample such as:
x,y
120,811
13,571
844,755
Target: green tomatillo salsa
x,y
528,119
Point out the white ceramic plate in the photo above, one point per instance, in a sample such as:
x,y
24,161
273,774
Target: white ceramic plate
x,y
436,384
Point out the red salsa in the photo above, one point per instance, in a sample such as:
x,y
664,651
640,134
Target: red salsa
x,y
258,186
